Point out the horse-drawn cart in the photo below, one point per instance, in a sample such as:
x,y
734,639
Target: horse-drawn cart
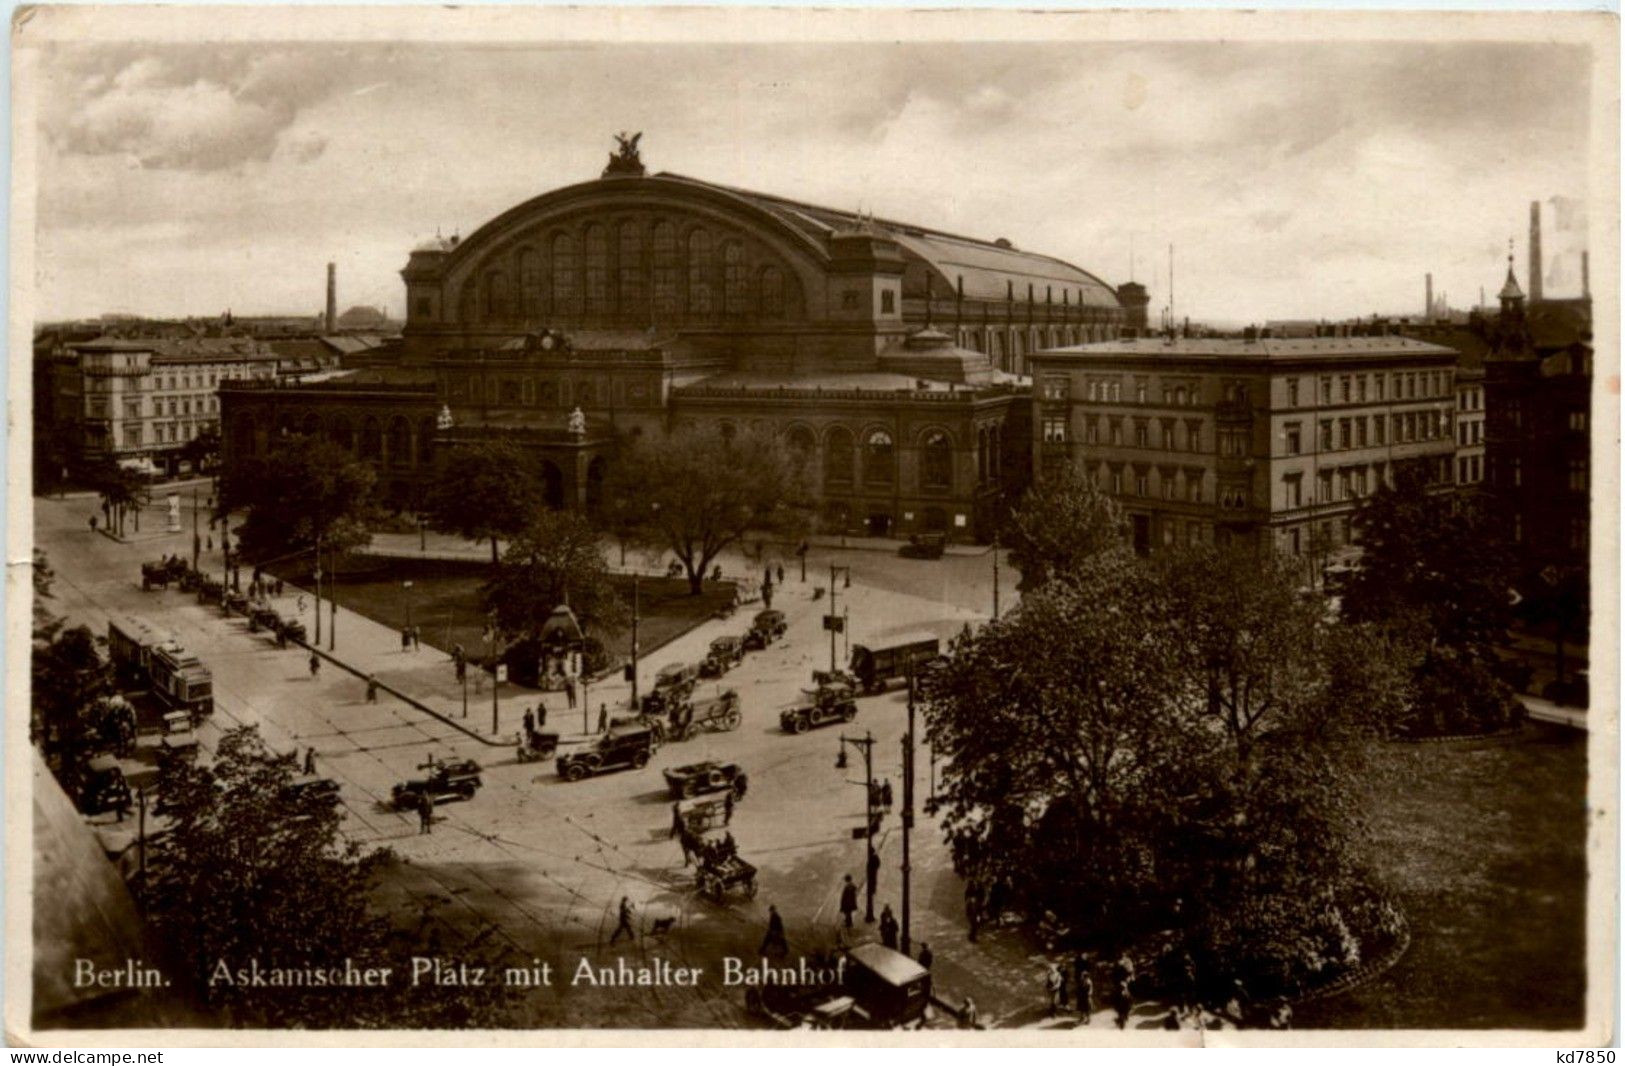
x,y
720,714
717,877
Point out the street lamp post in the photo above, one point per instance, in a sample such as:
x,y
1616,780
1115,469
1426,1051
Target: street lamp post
x,y
407,585
908,806
995,575
867,744
832,622
632,668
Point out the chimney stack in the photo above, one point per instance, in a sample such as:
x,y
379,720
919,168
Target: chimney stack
x,y
1535,273
1427,308
1585,274
331,323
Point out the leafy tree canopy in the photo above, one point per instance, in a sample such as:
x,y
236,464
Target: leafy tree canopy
x,y
484,491
69,673
556,559
702,490
1062,520
307,489
253,868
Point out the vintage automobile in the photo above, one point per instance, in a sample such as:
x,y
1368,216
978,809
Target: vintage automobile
x,y
827,706
924,546
719,714
538,746
618,749
263,618
234,603
162,573
209,590
677,678
445,781
102,786
291,629
725,654
318,788
695,778
179,739
878,988
765,628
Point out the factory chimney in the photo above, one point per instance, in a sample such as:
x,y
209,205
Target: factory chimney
x,y
330,324
1535,272
1585,274
1427,308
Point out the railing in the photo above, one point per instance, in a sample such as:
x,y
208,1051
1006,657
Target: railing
x,y
741,392
261,384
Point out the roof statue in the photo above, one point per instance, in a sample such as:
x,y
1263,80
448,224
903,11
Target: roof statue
x,y
578,423
625,161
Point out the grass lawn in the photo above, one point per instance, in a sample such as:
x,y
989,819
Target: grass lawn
x,y
1483,843
445,602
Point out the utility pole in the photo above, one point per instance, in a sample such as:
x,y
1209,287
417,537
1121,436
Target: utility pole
x,y
867,743
196,542
995,575
834,621
318,587
908,806
333,602
632,669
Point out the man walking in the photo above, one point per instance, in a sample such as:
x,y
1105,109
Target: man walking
x,y
425,813
315,665
849,900
1053,982
603,718
530,723
781,573
1083,986
625,924
888,927
417,638
406,640
372,689
570,692
310,760
926,958
774,941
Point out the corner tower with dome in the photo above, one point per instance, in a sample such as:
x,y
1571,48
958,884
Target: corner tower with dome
x,y
893,354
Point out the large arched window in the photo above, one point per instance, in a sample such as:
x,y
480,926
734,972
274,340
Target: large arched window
x,y
879,458
735,287
496,295
597,245
936,460
400,442
372,439
664,248
631,269
564,274
800,443
339,432
772,292
699,272
426,432
838,454
530,283
310,427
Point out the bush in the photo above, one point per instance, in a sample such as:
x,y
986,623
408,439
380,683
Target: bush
x,y
1458,694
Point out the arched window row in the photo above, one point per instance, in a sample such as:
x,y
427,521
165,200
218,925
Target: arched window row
x,y
643,270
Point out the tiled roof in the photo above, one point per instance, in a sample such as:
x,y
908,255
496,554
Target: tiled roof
x,y
1268,348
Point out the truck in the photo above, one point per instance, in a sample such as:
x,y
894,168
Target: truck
x,y
877,666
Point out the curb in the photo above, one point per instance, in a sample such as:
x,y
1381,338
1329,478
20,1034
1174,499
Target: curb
x,y
1454,738
1367,973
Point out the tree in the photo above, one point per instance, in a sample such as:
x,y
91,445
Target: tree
x,y
253,872
557,559
121,490
484,491
68,674
1061,521
202,450
308,493
705,489
1435,568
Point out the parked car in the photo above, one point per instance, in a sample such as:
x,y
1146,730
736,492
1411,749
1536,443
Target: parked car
x,y
618,749
924,546
724,655
445,782
822,711
692,780
765,628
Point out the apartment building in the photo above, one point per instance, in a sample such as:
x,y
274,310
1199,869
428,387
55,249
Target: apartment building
x,y
1260,439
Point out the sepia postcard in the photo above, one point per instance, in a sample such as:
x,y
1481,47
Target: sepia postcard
x,y
812,527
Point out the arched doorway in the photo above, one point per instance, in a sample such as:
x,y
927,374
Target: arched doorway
x,y
552,485
595,484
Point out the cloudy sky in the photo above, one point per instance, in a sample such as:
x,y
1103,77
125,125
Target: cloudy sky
x,y
1295,179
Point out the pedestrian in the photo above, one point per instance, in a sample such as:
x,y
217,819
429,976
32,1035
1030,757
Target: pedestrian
x,y
1281,1016
625,924
603,718
1123,1001
849,900
728,808
93,523
774,938
570,691
530,723
541,715
1065,987
315,665
767,596
310,760
686,841
425,813
676,820
372,689
967,1014
208,542
767,577
1053,983
457,653
1083,989
417,638
926,958
781,573
462,671
888,927
885,794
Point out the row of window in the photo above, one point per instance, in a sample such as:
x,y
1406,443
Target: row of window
x,y
1110,390
1362,431
877,464
1470,400
1172,435
1165,483
164,432
1376,387
1469,469
1468,433
545,393
190,405
369,442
